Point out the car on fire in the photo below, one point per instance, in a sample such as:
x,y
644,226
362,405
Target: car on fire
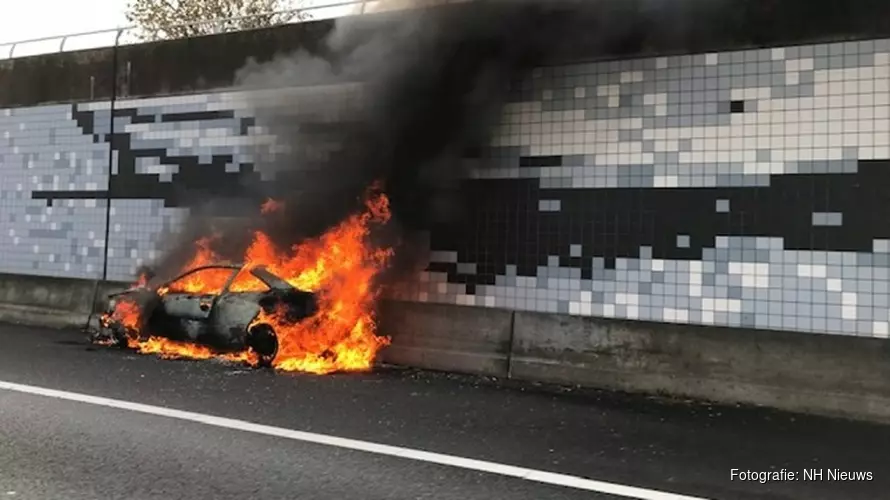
x,y
215,306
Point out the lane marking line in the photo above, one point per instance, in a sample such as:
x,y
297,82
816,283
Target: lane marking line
x,y
538,476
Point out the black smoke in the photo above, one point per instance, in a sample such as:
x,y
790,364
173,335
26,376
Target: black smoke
x,y
433,82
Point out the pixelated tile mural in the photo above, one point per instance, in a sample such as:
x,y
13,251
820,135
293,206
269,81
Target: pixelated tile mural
x,y
742,189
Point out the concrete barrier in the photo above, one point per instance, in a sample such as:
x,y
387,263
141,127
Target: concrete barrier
x,y
823,374
44,301
49,301
447,337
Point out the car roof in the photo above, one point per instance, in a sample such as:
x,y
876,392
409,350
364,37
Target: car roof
x,y
260,271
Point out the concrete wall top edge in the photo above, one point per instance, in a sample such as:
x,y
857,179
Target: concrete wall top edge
x,y
165,68
612,29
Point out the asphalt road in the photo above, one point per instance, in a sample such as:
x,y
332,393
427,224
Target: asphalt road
x,y
58,449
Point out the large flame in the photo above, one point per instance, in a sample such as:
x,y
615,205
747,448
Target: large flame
x,y
339,267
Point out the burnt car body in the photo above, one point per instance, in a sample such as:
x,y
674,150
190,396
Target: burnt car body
x,y
220,319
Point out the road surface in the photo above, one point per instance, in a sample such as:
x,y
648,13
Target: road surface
x,y
78,422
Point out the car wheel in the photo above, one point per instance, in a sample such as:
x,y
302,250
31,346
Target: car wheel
x,y
120,336
262,339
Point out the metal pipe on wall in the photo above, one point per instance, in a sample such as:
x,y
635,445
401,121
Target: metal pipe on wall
x,y
114,87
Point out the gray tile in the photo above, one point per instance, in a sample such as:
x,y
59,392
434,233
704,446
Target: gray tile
x,y
828,219
466,268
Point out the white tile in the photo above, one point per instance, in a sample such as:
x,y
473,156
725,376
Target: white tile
x,y
633,312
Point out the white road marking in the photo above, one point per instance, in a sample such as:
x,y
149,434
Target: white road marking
x,y
353,444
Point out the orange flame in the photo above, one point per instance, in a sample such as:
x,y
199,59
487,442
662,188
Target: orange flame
x,y
142,280
170,349
339,267
271,206
127,314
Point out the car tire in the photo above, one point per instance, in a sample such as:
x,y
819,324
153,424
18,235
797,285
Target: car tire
x,y
120,336
263,341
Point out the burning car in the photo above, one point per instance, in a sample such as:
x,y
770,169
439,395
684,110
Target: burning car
x,y
220,307
305,308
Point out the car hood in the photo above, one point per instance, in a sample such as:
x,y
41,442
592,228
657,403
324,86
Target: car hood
x,y
129,291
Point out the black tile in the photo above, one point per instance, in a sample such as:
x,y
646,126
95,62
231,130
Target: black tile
x,y
85,119
144,119
246,123
196,116
615,223
442,267
133,115
51,196
540,161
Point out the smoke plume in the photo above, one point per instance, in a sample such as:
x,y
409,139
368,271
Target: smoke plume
x,y
431,83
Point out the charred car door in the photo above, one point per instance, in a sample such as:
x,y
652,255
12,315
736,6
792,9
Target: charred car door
x,y
237,307
252,290
187,303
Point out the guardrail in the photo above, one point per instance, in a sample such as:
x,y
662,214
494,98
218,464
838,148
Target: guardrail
x,y
310,11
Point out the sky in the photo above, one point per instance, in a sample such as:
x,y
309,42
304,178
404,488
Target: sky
x,y
29,19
